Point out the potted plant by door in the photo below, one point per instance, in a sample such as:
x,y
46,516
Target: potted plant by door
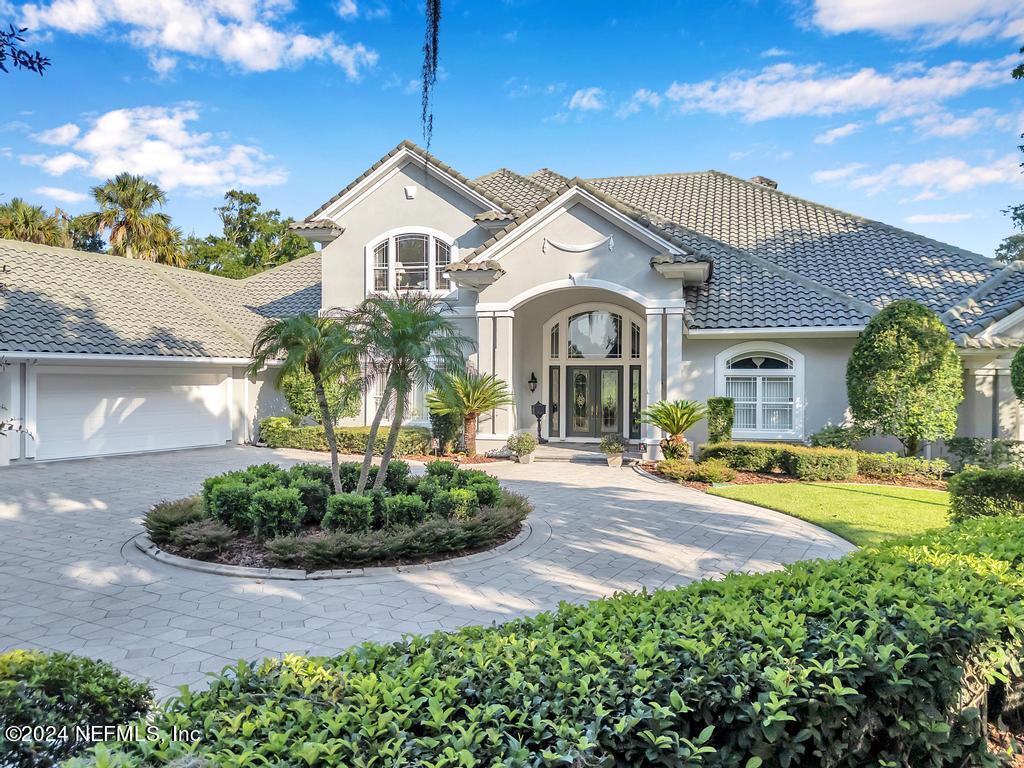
x,y
613,448
522,447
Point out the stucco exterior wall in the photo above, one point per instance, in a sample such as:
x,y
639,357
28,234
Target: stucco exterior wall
x,y
628,263
435,206
265,400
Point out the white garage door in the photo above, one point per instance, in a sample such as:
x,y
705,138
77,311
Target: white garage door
x,y
91,414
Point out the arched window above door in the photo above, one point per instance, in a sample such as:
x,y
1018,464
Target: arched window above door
x,y
404,261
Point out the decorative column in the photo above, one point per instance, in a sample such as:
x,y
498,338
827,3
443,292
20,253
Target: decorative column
x,y
485,361
654,373
674,379
504,417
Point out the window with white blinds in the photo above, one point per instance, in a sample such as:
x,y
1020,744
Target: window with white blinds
x,y
762,386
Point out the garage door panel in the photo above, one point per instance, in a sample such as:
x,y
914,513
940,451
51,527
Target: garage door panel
x,y
97,414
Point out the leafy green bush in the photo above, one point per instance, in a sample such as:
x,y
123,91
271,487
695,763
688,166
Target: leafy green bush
x,y
279,432
319,472
202,538
982,493
60,692
442,469
890,466
455,504
815,464
721,412
313,494
348,512
230,503
521,444
276,512
1017,373
708,471
394,477
746,457
432,537
445,428
164,518
994,453
864,661
611,444
404,509
342,394
838,436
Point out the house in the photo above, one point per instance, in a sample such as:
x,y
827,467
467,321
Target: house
x,y
593,297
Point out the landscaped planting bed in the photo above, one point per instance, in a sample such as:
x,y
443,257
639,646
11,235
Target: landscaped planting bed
x,y
283,432
268,516
880,658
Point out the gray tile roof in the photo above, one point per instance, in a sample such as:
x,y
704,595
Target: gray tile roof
x,y
521,192
60,300
1000,296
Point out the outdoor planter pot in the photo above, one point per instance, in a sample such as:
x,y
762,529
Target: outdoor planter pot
x,y
525,458
615,459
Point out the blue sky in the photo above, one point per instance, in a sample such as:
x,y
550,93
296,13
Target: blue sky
x,y
904,112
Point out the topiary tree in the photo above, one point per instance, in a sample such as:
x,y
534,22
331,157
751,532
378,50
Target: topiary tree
x,y
721,412
1017,373
904,377
342,394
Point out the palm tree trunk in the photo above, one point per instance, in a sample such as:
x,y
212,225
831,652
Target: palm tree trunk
x,y
389,446
325,416
364,472
469,427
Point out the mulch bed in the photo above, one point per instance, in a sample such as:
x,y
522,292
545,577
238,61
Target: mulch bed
x,y
764,478
458,458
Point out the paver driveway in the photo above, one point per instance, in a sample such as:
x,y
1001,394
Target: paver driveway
x,y
71,581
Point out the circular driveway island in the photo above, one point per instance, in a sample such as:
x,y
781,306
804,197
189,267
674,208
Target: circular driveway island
x,y
72,580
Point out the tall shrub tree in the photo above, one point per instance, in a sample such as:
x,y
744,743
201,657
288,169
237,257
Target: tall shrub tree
x,y
904,377
318,345
404,342
134,228
467,394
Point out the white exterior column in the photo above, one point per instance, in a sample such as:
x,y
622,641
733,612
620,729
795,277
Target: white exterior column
x,y
674,353
654,370
10,399
504,417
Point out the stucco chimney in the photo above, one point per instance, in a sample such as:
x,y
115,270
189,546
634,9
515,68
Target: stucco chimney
x,y
764,181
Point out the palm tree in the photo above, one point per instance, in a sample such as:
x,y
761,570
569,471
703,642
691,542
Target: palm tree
x,y
674,417
31,224
126,205
468,394
319,345
404,342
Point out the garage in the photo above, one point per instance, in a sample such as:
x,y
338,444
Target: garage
x,y
90,412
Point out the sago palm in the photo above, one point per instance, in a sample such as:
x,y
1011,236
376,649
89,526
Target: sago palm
x,y
31,224
674,417
318,345
467,395
126,205
403,342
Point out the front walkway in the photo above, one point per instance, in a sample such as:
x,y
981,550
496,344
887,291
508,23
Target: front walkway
x,y
71,581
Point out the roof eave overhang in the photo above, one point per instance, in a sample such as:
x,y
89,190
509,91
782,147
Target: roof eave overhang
x,y
691,272
476,279
318,234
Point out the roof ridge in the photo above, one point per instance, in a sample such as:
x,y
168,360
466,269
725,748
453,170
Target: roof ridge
x,y
406,144
648,175
875,222
531,182
202,306
970,299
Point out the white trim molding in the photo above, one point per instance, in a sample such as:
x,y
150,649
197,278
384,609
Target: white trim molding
x,y
578,281
796,331
796,372
96,358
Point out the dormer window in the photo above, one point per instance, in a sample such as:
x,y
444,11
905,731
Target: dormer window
x,y
410,261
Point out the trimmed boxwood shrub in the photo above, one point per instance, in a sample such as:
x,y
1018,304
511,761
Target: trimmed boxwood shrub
x,y
404,509
279,432
348,512
708,471
862,661
746,457
721,412
165,517
60,691
230,502
276,512
814,464
891,466
314,497
985,492
455,503
443,470
202,538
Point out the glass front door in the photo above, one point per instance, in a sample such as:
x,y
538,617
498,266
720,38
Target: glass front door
x,y
594,400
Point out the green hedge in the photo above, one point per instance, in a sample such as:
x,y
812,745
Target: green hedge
x,y
746,457
279,432
890,466
986,492
816,464
707,471
60,691
721,412
843,664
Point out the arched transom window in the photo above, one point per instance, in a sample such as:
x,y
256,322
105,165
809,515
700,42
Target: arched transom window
x,y
765,382
410,261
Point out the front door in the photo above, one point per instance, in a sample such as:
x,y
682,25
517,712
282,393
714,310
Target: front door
x,y
594,400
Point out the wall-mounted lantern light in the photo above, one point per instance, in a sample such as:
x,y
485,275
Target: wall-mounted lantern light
x,y
533,382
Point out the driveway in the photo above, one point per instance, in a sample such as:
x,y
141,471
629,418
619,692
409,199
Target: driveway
x,y
70,580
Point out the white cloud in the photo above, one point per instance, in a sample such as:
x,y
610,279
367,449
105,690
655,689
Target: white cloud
x,y
56,165
937,218
774,53
641,98
936,21
162,64
511,36
786,90
588,100
157,142
348,9
833,135
249,34
60,136
931,178
59,193
836,174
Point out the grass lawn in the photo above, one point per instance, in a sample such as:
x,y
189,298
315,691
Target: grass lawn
x,y
861,514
